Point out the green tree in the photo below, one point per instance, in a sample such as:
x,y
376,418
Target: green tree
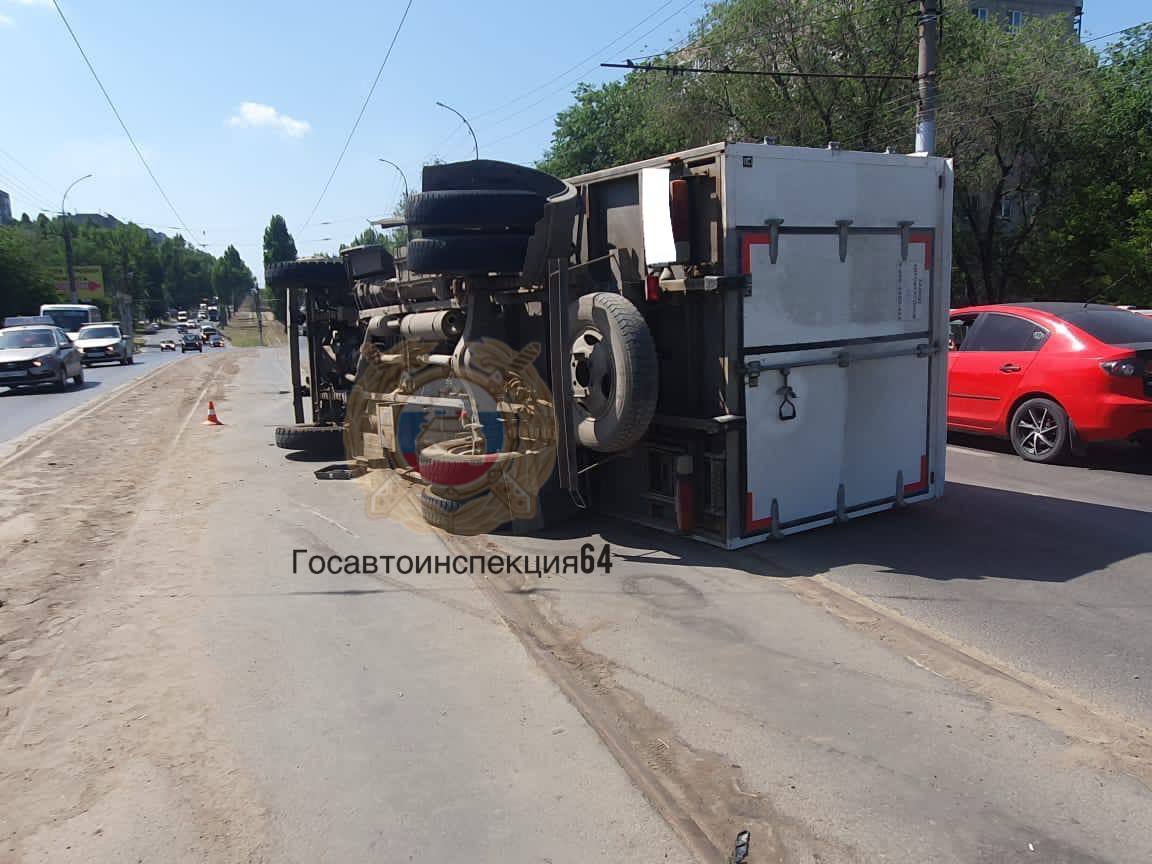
x,y
24,281
231,278
278,243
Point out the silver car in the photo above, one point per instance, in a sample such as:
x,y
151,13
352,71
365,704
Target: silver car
x,y
104,343
38,355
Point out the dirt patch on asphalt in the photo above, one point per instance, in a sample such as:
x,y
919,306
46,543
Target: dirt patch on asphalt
x,y
110,751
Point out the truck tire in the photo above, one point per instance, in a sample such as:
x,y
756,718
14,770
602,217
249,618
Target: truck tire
x,y
467,254
615,372
475,208
308,273
452,464
439,511
310,438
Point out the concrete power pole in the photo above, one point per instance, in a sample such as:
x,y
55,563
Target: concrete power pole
x,y
926,78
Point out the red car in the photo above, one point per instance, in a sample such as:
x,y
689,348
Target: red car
x,y
1050,375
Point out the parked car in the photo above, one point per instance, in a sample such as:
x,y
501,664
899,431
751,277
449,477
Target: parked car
x,y
38,355
217,342
1047,376
191,342
105,343
167,345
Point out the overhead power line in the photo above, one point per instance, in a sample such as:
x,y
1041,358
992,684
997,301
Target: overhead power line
x,y
360,116
120,120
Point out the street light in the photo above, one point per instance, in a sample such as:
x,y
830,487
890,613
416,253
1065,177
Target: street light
x,y
401,170
68,240
475,146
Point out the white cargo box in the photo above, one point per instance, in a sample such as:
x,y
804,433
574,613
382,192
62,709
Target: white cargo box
x,y
811,385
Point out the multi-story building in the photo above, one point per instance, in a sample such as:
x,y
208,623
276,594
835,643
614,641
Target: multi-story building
x,y
1011,13
5,208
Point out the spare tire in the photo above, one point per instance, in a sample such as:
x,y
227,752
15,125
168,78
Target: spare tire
x,y
615,373
466,254
453,464
312,438
475,208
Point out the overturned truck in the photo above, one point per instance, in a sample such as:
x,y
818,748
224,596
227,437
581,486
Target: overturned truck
x,y
734,342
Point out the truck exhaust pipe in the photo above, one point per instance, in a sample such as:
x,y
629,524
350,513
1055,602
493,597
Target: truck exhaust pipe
x,y
425,326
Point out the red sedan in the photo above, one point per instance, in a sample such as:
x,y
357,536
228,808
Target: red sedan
x,y
1049,375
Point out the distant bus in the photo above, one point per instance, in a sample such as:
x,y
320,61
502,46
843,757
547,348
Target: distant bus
x,y
213,313
70,317
182,316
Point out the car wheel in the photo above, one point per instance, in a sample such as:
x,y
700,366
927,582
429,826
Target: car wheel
x,y
61,378
1039,431
78,378
615,372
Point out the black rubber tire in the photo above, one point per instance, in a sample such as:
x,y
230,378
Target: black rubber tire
x,y
635,373
475,208
439,511
1040,410
488,174
62,378
318,440
451,463
467,254
78,378
309,273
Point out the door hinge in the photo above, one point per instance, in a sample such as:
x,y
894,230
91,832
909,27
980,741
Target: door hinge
x,y
752,372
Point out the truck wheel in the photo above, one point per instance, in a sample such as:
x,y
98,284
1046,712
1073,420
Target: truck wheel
x,y
317,440
467,254
439,511
475,208
615,373
453,463
308,273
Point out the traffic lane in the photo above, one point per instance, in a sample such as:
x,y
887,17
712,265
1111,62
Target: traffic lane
x,y
1045,568
23,409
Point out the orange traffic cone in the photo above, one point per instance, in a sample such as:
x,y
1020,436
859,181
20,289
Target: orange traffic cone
x,y
212,420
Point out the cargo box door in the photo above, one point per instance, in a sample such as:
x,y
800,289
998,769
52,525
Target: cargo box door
x,y
837,374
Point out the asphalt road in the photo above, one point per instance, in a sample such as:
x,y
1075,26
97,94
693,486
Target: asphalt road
x,y
21,410
1047,568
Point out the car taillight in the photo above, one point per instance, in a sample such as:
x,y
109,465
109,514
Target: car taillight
x,y
1125,367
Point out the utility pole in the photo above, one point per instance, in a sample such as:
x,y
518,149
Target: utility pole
x,y
926,77
68,241
259,317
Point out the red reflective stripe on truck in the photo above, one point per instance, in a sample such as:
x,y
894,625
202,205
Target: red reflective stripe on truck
x,y
922,484
754,526
924,237
747,241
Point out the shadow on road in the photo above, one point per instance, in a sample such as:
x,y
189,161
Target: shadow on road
x,y
1114,456
975,532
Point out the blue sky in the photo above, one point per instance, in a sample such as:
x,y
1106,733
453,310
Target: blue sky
x,y
242,107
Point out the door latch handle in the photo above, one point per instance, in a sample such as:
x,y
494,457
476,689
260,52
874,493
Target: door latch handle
x,y
1009,367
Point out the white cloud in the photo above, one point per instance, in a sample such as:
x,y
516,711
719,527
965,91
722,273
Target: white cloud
x,y
5,21
265,116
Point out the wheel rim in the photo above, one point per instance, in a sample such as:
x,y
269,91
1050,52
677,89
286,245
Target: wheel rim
x,y
593,372
1037,431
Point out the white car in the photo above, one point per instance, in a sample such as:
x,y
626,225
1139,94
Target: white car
x,y
105,343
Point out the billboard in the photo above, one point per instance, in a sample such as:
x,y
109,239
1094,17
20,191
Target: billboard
x,y
89,283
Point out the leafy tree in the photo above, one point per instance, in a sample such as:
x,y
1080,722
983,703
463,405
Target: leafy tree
x,y
278,243
24,281
231,278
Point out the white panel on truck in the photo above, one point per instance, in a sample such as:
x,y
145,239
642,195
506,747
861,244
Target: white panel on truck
x,y
839,329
